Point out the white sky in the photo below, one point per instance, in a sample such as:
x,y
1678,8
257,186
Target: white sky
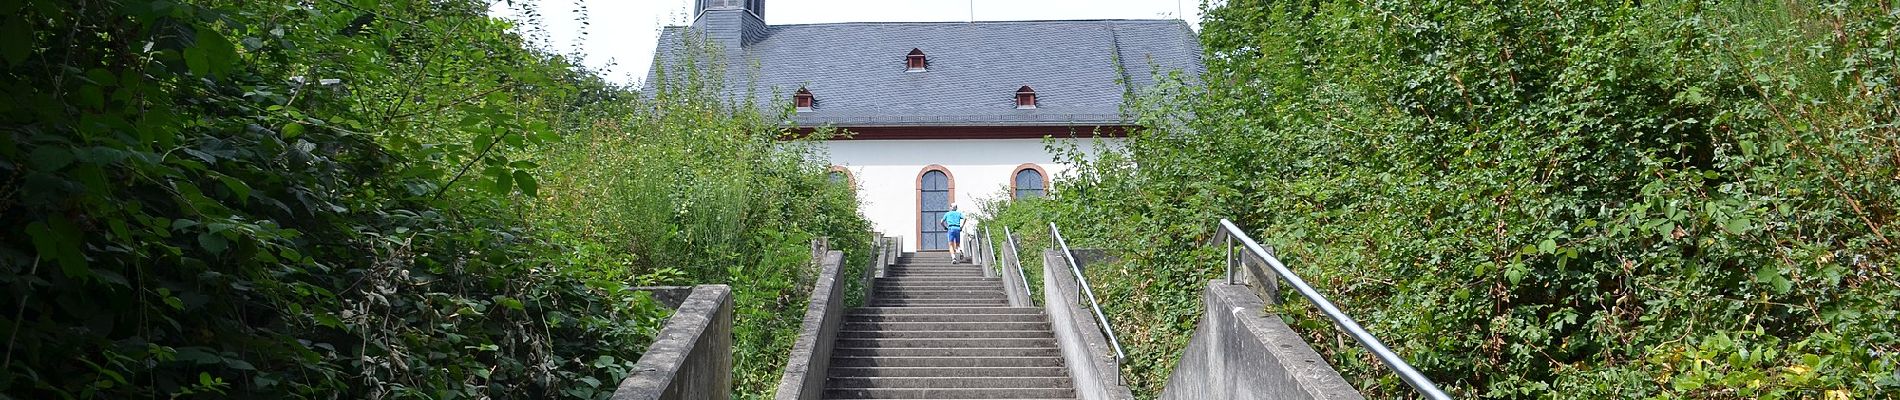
x,y
621,34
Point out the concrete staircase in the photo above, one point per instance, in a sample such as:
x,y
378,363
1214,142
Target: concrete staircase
x,y
938,330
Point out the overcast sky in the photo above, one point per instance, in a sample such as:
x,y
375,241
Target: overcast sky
x,y
620,35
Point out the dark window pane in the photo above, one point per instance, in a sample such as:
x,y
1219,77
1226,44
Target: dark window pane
x,y
1029,183
933,199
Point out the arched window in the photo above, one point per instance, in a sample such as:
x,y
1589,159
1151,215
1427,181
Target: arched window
x,y
839,175
1028,181
936,191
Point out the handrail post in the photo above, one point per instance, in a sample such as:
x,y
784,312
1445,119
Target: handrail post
x,y
1227,242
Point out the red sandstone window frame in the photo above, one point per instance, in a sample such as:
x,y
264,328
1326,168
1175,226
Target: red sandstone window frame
x,y
849,179
917,191
1028,166
1025,98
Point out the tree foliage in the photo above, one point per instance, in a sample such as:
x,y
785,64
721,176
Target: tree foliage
x,y
330,199
1673,199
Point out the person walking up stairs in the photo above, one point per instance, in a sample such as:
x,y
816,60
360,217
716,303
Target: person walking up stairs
x,y
940,330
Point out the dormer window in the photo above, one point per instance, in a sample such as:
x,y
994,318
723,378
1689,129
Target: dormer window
x,y
802,99
1025,98
915,62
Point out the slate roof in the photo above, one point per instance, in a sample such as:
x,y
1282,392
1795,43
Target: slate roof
x,y
856,71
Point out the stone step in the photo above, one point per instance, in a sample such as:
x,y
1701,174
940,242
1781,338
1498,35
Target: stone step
x,y
933,274
946,393
950,318
947,285
938,292
920,299
939,267
978,278
947,352
949,382
945,326
946,372
946,342
941,311
941,303
948,282
945,281
909,297
941,292
940,289
944,334
945,362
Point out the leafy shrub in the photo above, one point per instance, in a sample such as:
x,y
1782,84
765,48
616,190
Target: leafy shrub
x,y
327,200
1677,199
684,187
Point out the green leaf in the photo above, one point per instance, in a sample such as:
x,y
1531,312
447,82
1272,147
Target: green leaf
x,y
51,157
212,242
503,181
238,187
217,52
195,61
293,130
509,302
527,183
58,239
20,40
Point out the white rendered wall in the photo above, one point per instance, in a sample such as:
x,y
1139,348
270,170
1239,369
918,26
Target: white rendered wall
x,y
886,172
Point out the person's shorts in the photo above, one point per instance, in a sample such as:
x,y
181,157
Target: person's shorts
x,y
956,235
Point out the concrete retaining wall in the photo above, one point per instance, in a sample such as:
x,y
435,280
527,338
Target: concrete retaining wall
x,y
882,256
1241,352
691,358
805,372
1085,351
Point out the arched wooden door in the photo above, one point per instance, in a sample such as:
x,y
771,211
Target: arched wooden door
x,y
933,199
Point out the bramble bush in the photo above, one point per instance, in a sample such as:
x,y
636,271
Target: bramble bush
x,y
1673,199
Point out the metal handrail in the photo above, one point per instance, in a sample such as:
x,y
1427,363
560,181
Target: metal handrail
x,y
1228,232
1082,283
1015,257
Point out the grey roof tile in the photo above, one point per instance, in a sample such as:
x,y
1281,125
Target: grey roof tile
x,y
856,71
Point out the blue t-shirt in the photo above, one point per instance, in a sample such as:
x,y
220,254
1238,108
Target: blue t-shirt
x,y
953,219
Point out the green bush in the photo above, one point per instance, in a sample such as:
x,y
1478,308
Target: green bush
x,y
1674,199
680,187
345,200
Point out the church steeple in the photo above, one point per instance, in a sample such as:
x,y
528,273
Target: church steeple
x,y
756,7
731,23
